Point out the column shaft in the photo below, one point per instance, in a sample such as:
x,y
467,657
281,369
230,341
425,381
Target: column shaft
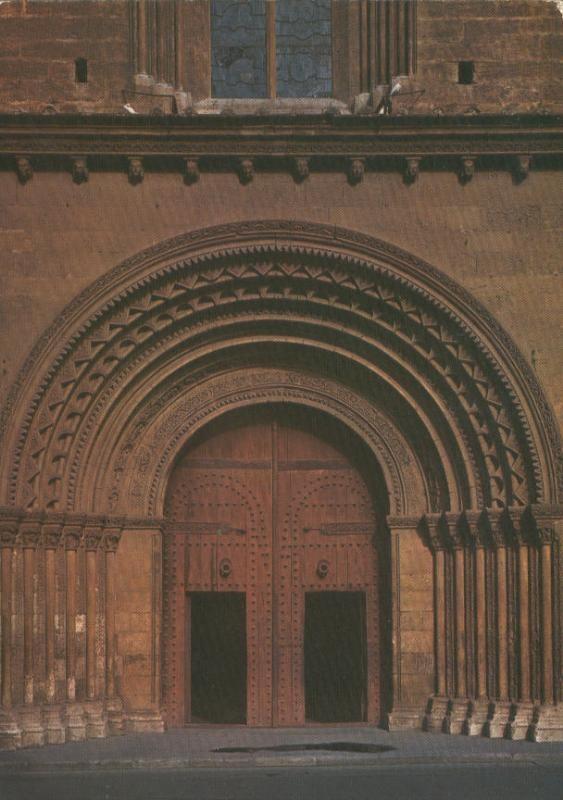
x,y
440,606
461,681
71,624
502,624
6,688
481,622
28,568
91,591
524,623
547,623
142,66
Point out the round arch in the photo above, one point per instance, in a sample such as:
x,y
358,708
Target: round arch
x,y
387,327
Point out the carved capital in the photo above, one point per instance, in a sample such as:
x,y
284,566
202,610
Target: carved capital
x,y
476,531
135,170
72,536
356,170
191,170
245,170
411,169
8,532
24,169
522,165
111,539
93,537
545,534
467,169
433,527
30,534
300,169
52,533
453,526
497,528
80,172
543,520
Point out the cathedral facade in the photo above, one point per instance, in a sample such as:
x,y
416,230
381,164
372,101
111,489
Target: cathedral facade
x,y
280,374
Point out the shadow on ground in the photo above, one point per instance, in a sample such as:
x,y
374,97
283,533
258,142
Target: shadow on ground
x,y
339,747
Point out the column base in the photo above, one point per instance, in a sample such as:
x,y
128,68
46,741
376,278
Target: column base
x,y
74,722
31,724
521,718
436,711
10,732
53,724
149,720
477,715
96,720
498,718
114,712
547,724
456,717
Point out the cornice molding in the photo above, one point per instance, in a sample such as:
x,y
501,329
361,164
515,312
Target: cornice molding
x,y
289,136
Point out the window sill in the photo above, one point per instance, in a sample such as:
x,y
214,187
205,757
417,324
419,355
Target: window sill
x,y
266,106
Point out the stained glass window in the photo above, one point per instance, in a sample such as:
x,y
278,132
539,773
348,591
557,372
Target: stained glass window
x,y
238,48
303,48
245,33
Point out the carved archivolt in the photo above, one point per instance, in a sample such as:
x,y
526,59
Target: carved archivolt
x,y
121,378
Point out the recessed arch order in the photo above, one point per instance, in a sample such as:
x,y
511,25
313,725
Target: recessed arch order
x,y
276,311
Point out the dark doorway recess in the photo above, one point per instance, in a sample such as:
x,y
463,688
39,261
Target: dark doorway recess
x,y
218,657
335,657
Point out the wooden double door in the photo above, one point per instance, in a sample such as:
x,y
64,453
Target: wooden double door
x,y
272,577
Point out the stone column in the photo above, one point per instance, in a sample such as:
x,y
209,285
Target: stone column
x,y
523,710
478,705
96,724
10,733
114,705
75,723
500,712
30,714
547,723
439,704
52,720
457,712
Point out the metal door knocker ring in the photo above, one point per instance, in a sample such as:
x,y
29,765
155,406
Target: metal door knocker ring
x,y
322,568
225,568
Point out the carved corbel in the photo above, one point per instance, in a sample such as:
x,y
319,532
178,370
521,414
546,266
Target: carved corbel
x,y
191,170
80,173
300,169
246,170
356,170
24,169
522,165
136,170
467,169
411,169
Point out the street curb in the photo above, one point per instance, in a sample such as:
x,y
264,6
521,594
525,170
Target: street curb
x,y
210,762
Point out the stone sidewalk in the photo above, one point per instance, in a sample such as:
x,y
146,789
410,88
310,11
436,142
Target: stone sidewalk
x,y
204,747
